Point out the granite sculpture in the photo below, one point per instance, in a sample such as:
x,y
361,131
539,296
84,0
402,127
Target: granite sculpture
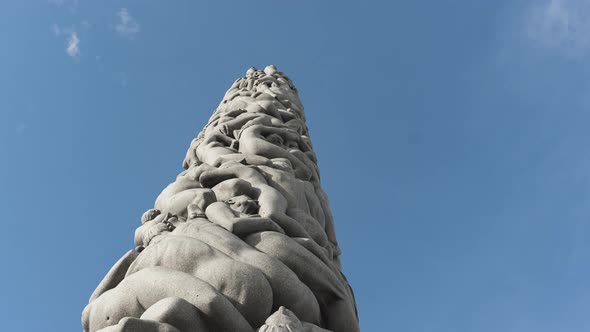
x,y
243,240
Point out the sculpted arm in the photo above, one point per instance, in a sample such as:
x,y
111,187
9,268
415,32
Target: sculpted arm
x,y
220,213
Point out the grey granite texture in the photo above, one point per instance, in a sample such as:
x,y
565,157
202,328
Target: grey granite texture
x,y
243,239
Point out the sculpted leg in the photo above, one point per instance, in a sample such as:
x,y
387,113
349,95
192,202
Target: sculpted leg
x,y
144,288
245,159
182,183
315,207
178,313
211,178
311,166
313,228
330,229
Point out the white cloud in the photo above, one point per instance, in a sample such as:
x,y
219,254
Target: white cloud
x,y
71,39
561,25
56,29
57,3
127,26
73,48
71,5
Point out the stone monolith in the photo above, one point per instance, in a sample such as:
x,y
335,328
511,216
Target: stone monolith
x,y
243,240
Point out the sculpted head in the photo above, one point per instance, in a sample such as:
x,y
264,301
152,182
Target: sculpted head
x,y
153,225
244,205
282,320
276,139
150,214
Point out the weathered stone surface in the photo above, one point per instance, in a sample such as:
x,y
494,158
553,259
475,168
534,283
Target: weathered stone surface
x,y
243,239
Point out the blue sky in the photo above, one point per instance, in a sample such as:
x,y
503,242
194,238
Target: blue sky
x,y
451,135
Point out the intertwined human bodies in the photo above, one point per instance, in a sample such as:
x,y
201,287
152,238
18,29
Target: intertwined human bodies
x,y
243,239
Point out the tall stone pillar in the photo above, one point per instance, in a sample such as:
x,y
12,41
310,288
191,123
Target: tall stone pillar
x,y
243,240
